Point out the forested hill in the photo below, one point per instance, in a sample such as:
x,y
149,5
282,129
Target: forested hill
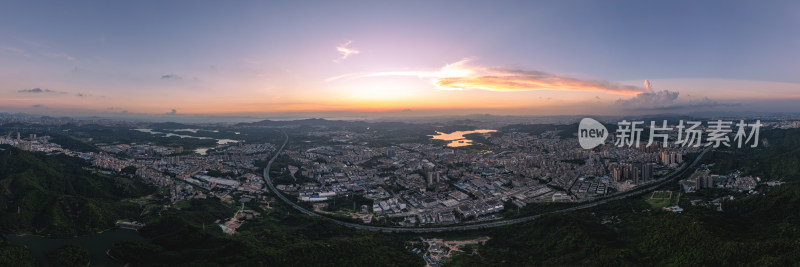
x,y
758,230
777,156
58,195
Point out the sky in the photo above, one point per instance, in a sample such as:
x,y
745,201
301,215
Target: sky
x,y
412,58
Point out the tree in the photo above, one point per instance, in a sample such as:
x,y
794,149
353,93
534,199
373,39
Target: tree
x,y
129,170
69,255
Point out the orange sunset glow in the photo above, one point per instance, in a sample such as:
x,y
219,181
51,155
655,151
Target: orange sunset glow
x,y
403,62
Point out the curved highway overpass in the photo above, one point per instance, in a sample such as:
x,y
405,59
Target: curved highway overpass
x,y
677,173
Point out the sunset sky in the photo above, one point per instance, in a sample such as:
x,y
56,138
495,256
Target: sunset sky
x,y
416,58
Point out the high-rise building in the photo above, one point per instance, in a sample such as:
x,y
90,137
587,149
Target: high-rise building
x,y
626,171
699,183
704,182
636,173
433,177
647,172
652,148
668,157
616,172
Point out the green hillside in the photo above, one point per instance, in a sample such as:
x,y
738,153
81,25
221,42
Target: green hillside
x,y
777,156
56,195
759,230
280,240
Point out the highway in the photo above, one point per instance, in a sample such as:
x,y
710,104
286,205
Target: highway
x,y
675,174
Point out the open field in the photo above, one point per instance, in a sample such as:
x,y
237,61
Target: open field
x,y
661,199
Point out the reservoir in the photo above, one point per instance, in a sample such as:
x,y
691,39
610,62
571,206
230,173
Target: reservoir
x,y
202,150
457,138
219,141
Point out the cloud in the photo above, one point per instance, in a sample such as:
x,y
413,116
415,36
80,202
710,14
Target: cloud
x,y
647,86
40,106
13,50
59,55
116,110
667,100
515,80
345,51
40,90
34,90
173,112
170,77
80,94
462,76
658,99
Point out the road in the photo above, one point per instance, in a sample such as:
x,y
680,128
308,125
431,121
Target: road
x,y
677,173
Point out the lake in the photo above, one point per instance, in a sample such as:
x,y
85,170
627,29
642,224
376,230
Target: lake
x,y
219,141
96,244
202,151
457,138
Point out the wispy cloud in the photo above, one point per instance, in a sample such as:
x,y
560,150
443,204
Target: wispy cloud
x,y
345,51
116,110
462,76
59,55
40,106
13,50
171,77
40,90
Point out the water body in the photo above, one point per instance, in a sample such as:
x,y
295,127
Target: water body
x,y
457,138
194,130
96,244
226,141
186,130
201,151
150,131
219,141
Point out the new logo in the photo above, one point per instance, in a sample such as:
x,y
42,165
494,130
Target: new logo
x,y
591,133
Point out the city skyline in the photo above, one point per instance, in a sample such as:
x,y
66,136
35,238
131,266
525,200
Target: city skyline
x,y
510,58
